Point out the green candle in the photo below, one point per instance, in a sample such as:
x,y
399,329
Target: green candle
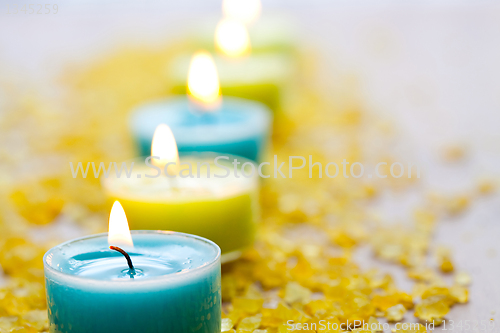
x,y
262,77
223,210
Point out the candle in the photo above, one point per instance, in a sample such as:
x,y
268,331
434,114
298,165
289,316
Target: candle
x,y
147,281
189,197
262,77
204,121
265,75
270,33
245,11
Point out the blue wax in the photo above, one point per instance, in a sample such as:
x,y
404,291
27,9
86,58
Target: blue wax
x,y
240,127
174,287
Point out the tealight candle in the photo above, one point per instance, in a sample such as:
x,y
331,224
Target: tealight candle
x,y
204,121
147,281
256,59
196,194
270,33
262,77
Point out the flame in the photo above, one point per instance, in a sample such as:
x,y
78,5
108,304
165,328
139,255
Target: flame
x,y
203,81
119,232
245,11
165,147
231,37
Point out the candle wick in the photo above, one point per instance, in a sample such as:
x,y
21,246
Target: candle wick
x,y
125,254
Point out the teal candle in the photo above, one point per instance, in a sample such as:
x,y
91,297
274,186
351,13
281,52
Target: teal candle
x,y
239,127
174,286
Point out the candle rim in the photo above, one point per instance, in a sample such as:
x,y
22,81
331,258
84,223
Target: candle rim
x,y
279,68
152,279
249,184
260,115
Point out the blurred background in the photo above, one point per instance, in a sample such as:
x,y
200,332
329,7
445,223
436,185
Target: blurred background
x,y
430,65
427,72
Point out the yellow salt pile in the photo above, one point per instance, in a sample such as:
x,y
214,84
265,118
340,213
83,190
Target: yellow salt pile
x,y
301,270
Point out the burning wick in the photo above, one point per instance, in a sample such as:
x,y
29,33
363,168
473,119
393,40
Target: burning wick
x,y
125,254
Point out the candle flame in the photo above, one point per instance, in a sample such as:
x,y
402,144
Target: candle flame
x,y
165,147
231,38
119,232
203,81
245,11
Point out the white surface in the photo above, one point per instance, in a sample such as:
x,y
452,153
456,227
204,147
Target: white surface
x,y
433,67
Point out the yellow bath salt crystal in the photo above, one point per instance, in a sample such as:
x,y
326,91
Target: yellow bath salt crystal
x,y
13,305
270,318
332,325
438,321
444,259
383,282
412,259
8,323
253,292
435,290
343,238
460,293
486,186
454,153
269,278
38,204
432,309
421,274
446,265
294,292
228,287
418,289
261,331
457,204
439,293
310,326
37,318
249,324
248,305
383,302
425,219
395,313
317,308
286,313
462,279
291,327
235,316
226,324
26,328
374,325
